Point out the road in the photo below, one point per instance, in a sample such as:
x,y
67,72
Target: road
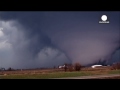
x,y
93,77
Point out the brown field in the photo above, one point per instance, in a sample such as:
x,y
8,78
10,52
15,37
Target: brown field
x,y
43,71
56,73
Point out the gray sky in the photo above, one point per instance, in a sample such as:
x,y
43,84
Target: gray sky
x,y
48,39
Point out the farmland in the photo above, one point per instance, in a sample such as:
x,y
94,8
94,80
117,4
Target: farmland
x,y
55,73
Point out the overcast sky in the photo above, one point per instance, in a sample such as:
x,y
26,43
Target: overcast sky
x,y
48,39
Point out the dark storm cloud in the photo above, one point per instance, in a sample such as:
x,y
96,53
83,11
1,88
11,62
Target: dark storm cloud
x,y
53,38
27,48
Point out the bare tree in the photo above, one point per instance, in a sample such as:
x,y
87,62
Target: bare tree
x,y
77,66
65,67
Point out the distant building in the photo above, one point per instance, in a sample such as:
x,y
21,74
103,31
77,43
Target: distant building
x,y
67,66
2,69
61,66
94,66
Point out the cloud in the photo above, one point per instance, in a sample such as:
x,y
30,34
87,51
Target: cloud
x,y
49,57
16,50
37,39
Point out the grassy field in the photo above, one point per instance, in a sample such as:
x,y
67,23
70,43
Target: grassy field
x,y
49,75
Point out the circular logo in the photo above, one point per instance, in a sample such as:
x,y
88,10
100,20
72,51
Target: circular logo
x,y
104,17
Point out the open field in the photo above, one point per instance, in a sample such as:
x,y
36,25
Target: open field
x,y
55,73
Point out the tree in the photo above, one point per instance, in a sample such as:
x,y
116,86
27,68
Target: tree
x,y
65,67
77,66
10,69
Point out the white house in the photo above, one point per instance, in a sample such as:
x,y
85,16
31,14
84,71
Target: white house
x,y
61,66
94,66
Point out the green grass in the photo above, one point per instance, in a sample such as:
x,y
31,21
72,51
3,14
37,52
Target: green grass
x,y
114,72
46,76
58,74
